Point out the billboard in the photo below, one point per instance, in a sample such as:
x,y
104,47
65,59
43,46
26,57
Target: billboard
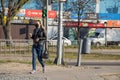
x,y
106,16
38,13
109,10
33,13
84,24
113,23
110,6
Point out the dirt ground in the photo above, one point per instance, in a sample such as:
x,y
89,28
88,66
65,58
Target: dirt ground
x,y
20,71
20,68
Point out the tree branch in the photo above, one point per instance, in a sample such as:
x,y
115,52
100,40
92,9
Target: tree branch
x,y
3,9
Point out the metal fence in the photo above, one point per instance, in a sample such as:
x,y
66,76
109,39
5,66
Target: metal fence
x,y
20,48
15,47
23,47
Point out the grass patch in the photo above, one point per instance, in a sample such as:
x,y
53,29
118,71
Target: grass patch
x,y
99,56
48,61
95,47
69,56
105,47
17,61
90,56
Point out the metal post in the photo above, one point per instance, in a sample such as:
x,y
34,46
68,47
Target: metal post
x,y
60,34
79,52
47,20
105,33
97,6
105,36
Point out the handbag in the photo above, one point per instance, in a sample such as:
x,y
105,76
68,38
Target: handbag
x,y
45,55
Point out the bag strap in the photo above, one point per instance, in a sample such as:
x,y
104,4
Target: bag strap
x,y
45,46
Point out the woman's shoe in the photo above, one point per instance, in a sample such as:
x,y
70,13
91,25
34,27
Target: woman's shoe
x,y
43,70
33,72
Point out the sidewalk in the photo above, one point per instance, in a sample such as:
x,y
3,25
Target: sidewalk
x,y
18,71
89,70
85,73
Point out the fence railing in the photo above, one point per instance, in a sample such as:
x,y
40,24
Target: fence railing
x,y
21,47
15,47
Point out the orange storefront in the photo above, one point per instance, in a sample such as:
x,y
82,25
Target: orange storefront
x,y
113,23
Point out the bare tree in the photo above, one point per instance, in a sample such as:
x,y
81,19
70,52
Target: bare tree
x,y
81,7
13,7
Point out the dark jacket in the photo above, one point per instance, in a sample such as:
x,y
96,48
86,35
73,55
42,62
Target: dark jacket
x,y
39,33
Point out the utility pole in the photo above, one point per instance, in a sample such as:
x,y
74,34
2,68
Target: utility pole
x,y
47,22
97,6
60,34
105,23
97,9
59,59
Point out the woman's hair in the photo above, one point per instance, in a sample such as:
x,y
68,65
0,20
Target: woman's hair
x,y
39,21
35,21
36,25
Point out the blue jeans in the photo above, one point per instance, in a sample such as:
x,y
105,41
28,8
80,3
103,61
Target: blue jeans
x,y
37,51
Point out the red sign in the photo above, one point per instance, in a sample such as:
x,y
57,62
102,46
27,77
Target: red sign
x,y
85,24
38,13
34,13
52,14
96,25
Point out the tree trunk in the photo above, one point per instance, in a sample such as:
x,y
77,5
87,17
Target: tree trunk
x,y
7,34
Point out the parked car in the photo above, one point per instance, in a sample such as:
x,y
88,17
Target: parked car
x,y
111,36
53,41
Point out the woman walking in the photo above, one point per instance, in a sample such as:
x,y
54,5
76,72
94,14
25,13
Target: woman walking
x,y
39,37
